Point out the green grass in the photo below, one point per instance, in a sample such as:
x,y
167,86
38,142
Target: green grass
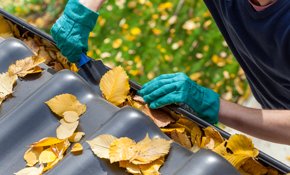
x,y
151,55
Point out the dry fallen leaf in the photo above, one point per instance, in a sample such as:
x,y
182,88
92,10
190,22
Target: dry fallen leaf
x,y
253,167
77,147
153,167
122,149
47,156
115,85
214,134
47,141
150,150
70,116
169,130
180,138
77,136
196,135
131,168
160,117
65,129
65,102
101,145
26,66
6,84
31,156
31,171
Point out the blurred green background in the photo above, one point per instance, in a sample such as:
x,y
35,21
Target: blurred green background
x,y
150,38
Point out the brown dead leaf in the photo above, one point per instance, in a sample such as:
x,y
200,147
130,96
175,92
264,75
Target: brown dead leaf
x,y
253,167
25,66
160,117
138,99
180,138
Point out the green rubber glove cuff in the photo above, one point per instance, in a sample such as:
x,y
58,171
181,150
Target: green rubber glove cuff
x,y
210,106
81,14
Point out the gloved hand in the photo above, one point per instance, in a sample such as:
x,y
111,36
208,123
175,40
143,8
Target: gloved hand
x,y
173,88
71,31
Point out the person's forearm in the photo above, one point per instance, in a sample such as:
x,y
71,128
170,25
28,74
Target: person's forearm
x,y
271,125
94,5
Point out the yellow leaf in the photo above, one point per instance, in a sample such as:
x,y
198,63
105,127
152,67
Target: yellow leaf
x,y
135,31
117,43
214,134
195,147
5,28
115,85
74,68
180,138
122,149
253,167
25,66
16,31
221,149
131,168
101,145
210,145
52,164
47,141
47,156
77,147
178,125
272,171
63,60
76,136
70,116
31,156
240,144
152,168
196,135
149,151
65,129
65,102
169,130
6,84
31,171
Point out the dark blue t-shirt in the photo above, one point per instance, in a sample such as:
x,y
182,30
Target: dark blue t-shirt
x,y
260,41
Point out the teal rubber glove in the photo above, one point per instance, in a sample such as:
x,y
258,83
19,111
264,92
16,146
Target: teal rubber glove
x,y
71,31
174,88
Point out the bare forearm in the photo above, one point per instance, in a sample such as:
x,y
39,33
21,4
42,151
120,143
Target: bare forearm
x,y
271,125
94,5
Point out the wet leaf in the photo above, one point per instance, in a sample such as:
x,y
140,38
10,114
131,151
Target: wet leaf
x,y
160,117
65,102
115,85
77,147
122,149
66,130
77,136
31,156
180,138
26,66
101,145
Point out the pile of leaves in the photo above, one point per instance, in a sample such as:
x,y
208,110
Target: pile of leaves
x,y
51,150
19,69
238,150
145,157
40,47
